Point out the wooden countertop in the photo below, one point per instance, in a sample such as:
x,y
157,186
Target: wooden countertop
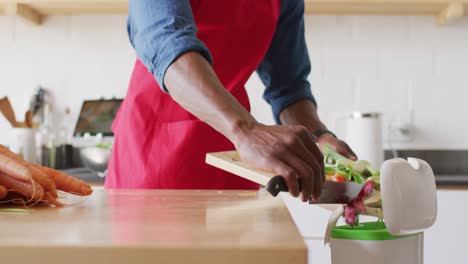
x,y
155,226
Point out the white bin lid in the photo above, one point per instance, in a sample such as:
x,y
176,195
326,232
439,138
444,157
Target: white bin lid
x,y
409,196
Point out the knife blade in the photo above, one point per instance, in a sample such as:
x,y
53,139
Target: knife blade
x,y
332,192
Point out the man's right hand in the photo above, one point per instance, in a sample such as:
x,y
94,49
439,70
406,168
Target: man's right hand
x,y
288,151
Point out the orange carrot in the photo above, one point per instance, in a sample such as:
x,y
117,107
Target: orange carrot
x,y
49,199
31,189
67,183
3,192
39,176
10,164
43,179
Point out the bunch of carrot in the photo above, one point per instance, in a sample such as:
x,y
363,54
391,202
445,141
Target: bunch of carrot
x,y
29,183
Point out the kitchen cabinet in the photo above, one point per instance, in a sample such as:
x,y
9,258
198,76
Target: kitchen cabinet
x,y
445,242
155,226
445,10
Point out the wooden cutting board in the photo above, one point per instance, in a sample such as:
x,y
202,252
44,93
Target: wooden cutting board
x,y
230,162
155,226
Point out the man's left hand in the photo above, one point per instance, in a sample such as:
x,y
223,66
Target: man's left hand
x,y
337,145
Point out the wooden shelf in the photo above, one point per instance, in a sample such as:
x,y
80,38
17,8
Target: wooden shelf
x,y
37,10
379,7
445,10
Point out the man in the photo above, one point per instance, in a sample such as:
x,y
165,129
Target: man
x,y
187,96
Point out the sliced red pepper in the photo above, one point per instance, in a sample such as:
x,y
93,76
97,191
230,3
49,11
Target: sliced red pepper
x,y
338,178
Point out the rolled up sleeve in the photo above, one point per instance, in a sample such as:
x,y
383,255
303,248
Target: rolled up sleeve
x,y
286,65
161,31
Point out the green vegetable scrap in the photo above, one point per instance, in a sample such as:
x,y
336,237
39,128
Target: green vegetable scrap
x,y
104,146
338,168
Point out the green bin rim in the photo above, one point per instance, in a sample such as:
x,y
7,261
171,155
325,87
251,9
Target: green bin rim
x,y
364,231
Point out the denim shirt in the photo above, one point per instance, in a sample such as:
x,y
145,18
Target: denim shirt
x,y
162,30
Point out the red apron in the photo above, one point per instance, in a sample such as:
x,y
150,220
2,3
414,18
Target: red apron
x,y
158,144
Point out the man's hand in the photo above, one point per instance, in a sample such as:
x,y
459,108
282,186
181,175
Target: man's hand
x,y
336,145
286,150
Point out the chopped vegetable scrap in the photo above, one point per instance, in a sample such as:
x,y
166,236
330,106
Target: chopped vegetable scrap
x,y
339,168
368,201
22,182
356,205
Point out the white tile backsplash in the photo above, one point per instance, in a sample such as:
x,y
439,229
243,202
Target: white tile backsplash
x,y
364,63
465,98
347,59
447,59
406,61
379,31
408,68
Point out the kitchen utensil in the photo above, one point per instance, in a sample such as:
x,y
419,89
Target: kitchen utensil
x,y
364,136
28,118
333,192
7,111
95,158
38,100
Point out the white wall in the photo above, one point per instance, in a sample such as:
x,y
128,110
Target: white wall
x,y
386,64
390,65
75,57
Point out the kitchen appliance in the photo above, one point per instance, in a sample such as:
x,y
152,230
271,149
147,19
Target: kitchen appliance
x,y
96,117
364,135
93,136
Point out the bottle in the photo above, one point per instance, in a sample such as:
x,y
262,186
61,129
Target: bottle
x,y
47,138
64,149
64,133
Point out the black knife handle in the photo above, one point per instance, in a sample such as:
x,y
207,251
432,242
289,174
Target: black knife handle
x,y
277,184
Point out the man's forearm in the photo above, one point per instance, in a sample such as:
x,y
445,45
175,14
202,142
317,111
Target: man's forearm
x,y
288,151
303,113
194,85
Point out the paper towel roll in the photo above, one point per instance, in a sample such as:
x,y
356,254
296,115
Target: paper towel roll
x,y
364,136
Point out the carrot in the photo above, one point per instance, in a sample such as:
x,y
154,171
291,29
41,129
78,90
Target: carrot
x,y
31,189
50,199
3,192
39,176
10,164
67,183
43,179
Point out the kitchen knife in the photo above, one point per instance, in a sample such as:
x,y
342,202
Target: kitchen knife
x,y
333,192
